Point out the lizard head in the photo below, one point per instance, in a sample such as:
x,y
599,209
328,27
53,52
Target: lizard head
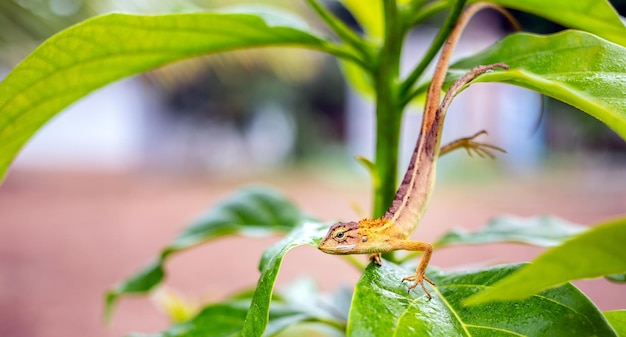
x,y
342,238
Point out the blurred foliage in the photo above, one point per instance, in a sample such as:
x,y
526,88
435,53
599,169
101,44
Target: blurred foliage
x,y
313,99
24,24
567,131
206,89
307,85
573,132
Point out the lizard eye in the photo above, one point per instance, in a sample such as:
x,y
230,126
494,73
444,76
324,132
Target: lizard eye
x,y
340,236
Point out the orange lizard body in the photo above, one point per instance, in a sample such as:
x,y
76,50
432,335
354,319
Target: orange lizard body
x,y
392,231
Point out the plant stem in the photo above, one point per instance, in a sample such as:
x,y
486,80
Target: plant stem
x,y
434,89
388,111
416,5
355,262
344,33
428,11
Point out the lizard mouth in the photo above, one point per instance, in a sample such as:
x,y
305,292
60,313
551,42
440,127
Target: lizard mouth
x,y
344,249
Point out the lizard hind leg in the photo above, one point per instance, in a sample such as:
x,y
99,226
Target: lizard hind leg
x,y
471,146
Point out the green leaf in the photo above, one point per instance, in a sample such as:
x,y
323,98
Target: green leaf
x,y
226,319
545,231
219,320
577,68
104,49
309,233
596,252
359,79
617,318
382,307
370,16
252,211
595,16
617,278
299,303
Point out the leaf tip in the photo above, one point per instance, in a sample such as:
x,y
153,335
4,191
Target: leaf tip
x,y
109,304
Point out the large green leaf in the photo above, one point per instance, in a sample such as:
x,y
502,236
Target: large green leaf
x,y
575,67
254,210
382,307
595,16
104,49
309,233
299,303
617,318
596,252
545,231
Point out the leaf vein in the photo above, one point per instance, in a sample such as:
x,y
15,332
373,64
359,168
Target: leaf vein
x,y
447,304
495,329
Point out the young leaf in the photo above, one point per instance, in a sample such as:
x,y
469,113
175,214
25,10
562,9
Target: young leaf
x,y
575,67
595,16
254,211
596,252
308,233
219,320
542,231
359,79
227,318
617,278
383,307
104,49
370,17
617,319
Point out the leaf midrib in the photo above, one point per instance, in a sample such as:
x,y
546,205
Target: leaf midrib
x,y
447,304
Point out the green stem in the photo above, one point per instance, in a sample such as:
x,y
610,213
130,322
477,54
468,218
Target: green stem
x,y
344,53
418,91
344,33
351,259
340,326
388,111
417,5
434,47
428,11
407,257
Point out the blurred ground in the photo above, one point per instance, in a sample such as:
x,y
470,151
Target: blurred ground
x,y
67,237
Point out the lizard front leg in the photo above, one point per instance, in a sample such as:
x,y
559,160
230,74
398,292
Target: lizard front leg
x,y
420,273
481,149
376,258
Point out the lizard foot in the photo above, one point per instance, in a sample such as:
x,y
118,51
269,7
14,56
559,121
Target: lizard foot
x,y
483,150
419,278
376,258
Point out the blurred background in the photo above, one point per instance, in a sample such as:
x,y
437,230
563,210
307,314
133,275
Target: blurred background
x,y
108,182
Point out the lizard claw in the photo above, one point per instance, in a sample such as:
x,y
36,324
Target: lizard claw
x,y
416,279
376,258
481,149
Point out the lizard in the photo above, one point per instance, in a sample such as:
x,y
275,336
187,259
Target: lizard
x,y
391,231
